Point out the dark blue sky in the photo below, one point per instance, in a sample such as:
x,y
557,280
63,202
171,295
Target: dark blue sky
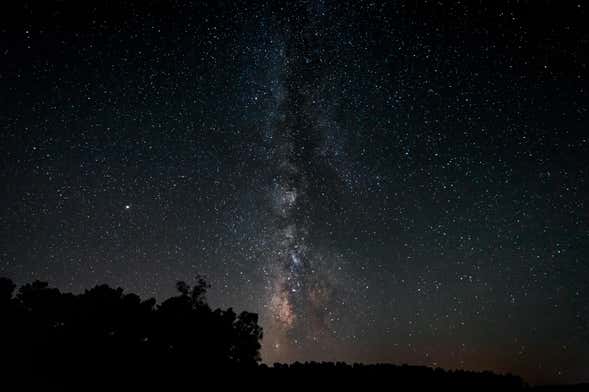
x,y
381,182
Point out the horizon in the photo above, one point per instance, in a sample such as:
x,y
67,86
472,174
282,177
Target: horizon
x,y
158,304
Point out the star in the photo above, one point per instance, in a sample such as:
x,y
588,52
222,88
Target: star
x,y
414,173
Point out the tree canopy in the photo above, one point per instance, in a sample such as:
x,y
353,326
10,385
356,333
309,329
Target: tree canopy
x,y
107,328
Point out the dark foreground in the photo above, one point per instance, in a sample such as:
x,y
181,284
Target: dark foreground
x,y
180,375
107,338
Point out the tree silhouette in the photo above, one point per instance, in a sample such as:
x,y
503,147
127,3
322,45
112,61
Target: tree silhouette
x,y
6,289
103,333
46,331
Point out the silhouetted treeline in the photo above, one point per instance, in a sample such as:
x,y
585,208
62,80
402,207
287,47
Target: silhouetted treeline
x,y
105,330
391,377
103,334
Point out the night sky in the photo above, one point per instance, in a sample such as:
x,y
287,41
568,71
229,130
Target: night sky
x,y
402,182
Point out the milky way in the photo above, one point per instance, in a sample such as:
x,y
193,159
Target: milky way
x,y
307,284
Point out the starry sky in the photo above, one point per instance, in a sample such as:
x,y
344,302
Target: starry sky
x,y
396,181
